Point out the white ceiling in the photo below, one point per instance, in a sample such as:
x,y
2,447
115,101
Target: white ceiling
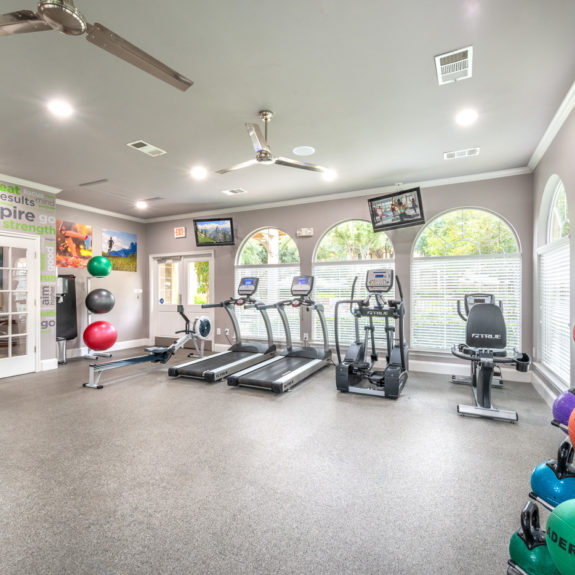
x,y
356,80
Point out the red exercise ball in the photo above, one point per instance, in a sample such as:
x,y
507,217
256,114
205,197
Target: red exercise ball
x,y
100,335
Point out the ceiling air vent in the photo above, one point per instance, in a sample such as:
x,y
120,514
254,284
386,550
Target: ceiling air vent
x,y
234,192
94,182
147,148
457,154
454,66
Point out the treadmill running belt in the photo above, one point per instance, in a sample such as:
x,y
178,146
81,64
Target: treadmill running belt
x,y
263,376
211,363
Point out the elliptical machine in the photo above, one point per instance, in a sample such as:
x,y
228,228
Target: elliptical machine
x,y
356,373
484,347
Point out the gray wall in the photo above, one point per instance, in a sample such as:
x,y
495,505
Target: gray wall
x,y
130,314
558,160
509,197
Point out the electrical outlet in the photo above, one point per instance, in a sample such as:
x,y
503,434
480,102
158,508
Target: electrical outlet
x,y
219,331
227,331
306,337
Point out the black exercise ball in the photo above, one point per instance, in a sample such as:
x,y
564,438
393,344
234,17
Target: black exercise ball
x,y
100,301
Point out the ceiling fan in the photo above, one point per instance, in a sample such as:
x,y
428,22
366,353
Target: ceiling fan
x,y
264,155
63,16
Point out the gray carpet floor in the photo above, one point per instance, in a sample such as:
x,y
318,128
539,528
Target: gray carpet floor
x,y
155,475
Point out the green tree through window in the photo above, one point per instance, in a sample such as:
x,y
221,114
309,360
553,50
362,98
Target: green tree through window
x,y
269,246
354,240
466,232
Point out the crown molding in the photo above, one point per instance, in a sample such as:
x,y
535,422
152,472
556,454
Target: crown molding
x,y
556,124
355,194
29,184
99,211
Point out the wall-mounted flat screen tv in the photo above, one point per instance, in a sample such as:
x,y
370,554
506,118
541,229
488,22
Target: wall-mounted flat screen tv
x,y
396,210
214,232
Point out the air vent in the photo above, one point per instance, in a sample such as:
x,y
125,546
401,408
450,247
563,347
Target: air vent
x,y
94,182
147,148
454,66
154,199
234,192
457,154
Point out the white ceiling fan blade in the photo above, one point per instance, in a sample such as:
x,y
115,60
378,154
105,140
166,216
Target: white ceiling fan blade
x,y
258,140
116,45
237,167
21,22
297,164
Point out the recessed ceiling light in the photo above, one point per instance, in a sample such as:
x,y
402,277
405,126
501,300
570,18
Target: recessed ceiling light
x,y
198,173
304,150
141,205
329,175
60,108
466,117
234,192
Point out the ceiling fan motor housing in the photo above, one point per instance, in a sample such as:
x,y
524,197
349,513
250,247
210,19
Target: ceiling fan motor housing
x,y
63,16
264,157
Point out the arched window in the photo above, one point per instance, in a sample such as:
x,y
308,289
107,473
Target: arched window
x,y
553,265
460,252
271,255
345,251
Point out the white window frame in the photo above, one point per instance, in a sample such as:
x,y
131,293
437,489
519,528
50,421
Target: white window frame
x,y
251,322
449,325
357,268
553,305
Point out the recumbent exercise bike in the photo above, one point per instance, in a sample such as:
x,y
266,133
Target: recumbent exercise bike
x,y
485,346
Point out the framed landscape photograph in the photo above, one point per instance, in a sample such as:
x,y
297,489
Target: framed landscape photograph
x,y
396,210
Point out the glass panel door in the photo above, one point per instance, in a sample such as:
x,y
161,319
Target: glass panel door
x,y
180,279
18,278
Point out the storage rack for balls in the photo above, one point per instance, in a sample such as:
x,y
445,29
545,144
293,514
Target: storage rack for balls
x,y
98,335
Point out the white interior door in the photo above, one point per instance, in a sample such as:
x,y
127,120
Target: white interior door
x,y
180,279
19,277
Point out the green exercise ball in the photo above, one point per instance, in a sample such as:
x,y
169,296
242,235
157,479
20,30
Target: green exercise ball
x,y
527,547
534,561
99,266
561,537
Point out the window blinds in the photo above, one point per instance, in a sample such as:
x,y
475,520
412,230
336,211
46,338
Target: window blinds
x,y
333,281
274,285
438,282
554,294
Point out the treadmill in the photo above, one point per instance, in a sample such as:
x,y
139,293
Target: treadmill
x,y
240,355
294,364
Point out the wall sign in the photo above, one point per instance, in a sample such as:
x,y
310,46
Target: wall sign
x,y
180,232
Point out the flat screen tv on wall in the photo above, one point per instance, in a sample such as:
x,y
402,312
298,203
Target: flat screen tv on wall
x,y
396,210
214,232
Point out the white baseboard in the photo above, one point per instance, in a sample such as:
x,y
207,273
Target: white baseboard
x,y
543,389
218,347
48,364
119,345
445,368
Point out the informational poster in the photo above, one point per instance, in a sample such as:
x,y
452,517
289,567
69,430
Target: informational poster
x,y
73,244
121,248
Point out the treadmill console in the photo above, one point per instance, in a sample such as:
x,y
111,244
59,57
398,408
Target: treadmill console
x,y
301,286
248,286
379,281
475,298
